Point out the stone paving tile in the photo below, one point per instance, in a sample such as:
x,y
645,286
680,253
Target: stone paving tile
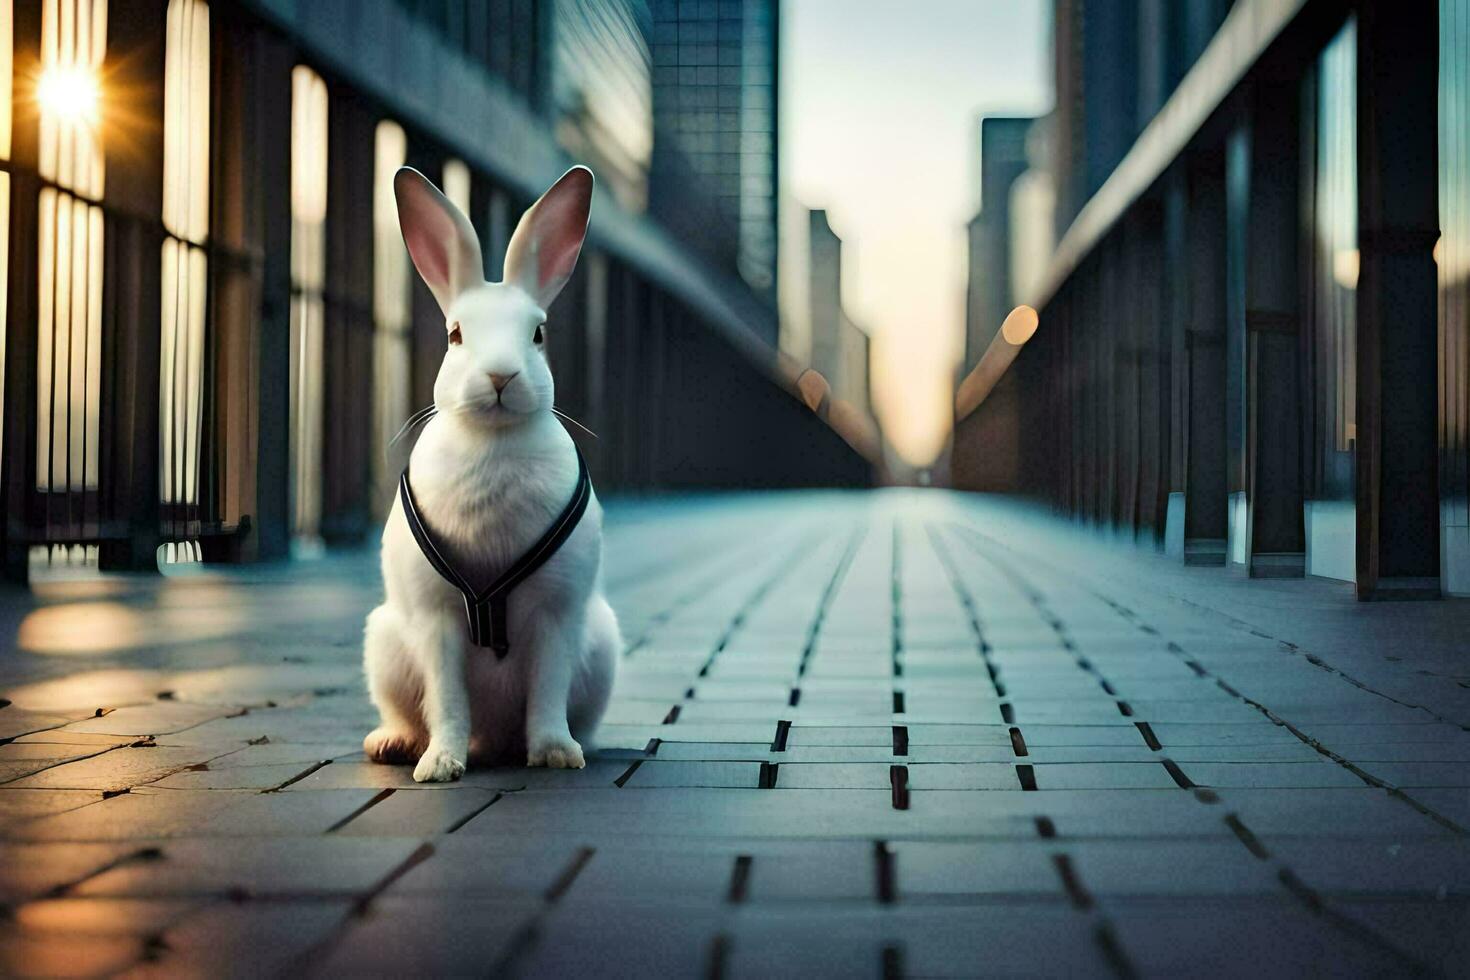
x,y
118,769
1264,938
1103,775
979,775
1436,933
22,807
255,868
1090,735
481,867
1410,775
130,816
659,774
16,721
244,940
990,870
23,757
1437,868
1183,868
897,747
403,814
717,751
32,871
831,775
68,916
959,753
426,935
284,814
626,939
1361,812
31,954
156,718
1317,773
1453,804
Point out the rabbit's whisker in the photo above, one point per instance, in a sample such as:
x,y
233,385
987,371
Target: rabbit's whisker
x,y
579,425
413,422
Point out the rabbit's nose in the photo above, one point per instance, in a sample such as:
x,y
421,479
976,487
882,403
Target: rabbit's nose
x,y
501,380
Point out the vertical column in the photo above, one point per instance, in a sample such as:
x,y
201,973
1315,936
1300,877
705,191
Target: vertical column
x,y
1109,316
267,91
1277,536
18,465
1128,364
1174,282
1237,246
1206,491
347,423
250,82
1153,372
1398,223
133,290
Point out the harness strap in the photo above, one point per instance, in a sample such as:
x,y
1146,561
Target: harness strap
x,y
485,609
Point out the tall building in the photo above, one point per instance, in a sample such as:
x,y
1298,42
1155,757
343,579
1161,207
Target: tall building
x,y
601,93
857,355
1252,335
1116,61
715,114
990,292
839,346
824,272
212,330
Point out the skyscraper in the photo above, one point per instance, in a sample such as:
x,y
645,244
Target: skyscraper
x,y
714,106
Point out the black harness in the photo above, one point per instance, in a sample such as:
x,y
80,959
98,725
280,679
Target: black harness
x,y
485,608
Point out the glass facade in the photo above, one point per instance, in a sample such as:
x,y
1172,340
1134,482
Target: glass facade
x,y
507,37
392,308
1332,204
7,54
602,92
70,239
714,104
185,265
308,279
1453,257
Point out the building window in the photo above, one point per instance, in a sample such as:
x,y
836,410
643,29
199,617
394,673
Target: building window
x,y
1452,259
69,309
308,272
7,55
185,265
1335,256
457,184
392,310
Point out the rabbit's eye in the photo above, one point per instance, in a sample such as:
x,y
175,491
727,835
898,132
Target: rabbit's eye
x,y
454,336
538,337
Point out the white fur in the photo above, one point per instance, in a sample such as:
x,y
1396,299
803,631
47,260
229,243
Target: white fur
x,y
490,473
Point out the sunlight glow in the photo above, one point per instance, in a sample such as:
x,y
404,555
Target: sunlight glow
x,y
71,92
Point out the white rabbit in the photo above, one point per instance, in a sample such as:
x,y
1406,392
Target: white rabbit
x,y
492,470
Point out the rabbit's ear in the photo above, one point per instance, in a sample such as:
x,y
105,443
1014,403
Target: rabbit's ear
x,y
440,239
544,249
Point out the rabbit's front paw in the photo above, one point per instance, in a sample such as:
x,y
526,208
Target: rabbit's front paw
x,y
438,765
556,752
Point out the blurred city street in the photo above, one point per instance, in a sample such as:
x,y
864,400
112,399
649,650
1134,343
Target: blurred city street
x,y
889,733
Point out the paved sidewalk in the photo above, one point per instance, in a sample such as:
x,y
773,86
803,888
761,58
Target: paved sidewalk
x,y
892,734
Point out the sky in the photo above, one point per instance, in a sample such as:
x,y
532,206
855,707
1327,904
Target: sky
x,y
879,101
